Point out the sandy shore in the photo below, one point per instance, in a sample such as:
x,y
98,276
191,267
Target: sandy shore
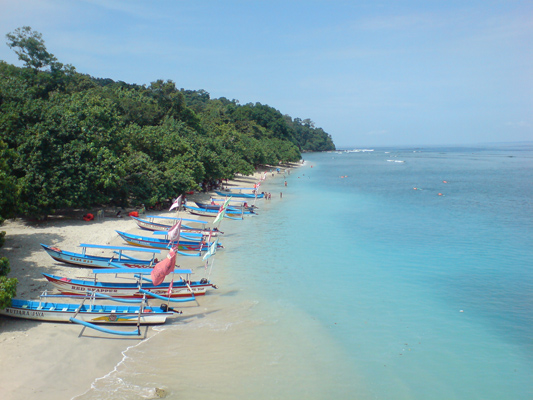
x,y
54,360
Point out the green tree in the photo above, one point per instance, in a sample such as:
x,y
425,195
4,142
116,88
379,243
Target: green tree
x,y
8,185
30,48
70,154
8,286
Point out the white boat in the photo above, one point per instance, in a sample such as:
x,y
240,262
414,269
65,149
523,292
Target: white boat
x,y
92,261
149,224
183,287
93,313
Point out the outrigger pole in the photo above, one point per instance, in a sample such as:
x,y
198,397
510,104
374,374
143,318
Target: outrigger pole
x,y
136,332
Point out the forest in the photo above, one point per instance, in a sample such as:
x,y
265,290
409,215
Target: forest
x,y
69,140
72,141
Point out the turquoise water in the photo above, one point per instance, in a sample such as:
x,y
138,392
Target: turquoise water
x,y
356,285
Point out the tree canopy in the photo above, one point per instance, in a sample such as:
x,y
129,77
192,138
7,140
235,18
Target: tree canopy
x,y
30,48
73,140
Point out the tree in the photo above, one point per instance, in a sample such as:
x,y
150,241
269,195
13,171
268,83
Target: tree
x,y
29,46
8,286
8,186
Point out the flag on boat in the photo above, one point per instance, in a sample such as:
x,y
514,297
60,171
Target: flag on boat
x,y
163,268
176,204
222,211
212,249
219,217
208,240
170,287
174,232
226,203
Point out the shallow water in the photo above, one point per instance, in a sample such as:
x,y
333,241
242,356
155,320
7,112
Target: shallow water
x,y
355,285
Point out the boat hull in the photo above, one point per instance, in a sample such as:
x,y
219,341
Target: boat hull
x,y
143,241
125,290
230,209
87,261
154,226
95,314
241,195
206,212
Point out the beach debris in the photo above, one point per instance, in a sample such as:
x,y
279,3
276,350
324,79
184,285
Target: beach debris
x,y
160,393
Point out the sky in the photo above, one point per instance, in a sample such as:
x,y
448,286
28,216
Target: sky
x,y
370,73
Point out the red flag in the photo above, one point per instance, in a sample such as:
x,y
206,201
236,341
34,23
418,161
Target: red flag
x,y
163,268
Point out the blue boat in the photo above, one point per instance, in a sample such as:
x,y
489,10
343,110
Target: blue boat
x,y
229,193
209,212
89,261
156,243
91,313
180,288
150,225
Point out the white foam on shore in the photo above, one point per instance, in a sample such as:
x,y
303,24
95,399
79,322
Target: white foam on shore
x,y
94,385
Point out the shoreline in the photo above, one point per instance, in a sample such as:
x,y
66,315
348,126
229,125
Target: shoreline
x,y
38,356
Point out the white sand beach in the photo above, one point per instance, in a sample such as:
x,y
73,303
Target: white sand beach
x,y
54,360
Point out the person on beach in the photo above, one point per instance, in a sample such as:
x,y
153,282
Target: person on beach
x,y
280,195
285,183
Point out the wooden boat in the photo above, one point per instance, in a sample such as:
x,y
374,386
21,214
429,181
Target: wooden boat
x,y
85,260
156,243
207,212
232,193
235,203
216,207
151,225
181,288
92,313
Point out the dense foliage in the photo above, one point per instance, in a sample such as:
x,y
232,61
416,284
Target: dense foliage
x,y
71,140
8,286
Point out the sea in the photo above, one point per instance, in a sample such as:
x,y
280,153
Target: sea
x,y
380,273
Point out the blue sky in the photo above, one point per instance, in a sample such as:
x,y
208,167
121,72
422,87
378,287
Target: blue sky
x,y
370,73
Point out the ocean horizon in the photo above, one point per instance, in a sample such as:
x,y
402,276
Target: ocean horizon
x,y
401,273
